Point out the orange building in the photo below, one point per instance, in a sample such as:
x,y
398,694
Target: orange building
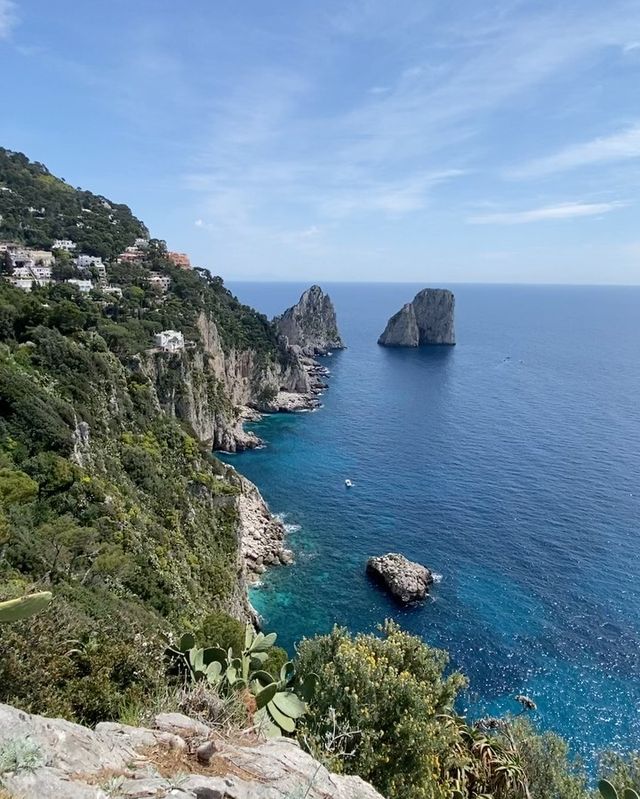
x,y
179,259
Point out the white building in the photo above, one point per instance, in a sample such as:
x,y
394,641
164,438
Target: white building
x,y
169,340
115,290
31,271
63,244
161,282
84,286
141,244
91,262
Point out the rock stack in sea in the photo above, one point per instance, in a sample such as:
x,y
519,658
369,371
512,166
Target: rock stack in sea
x,y
406,580
310,324
428,319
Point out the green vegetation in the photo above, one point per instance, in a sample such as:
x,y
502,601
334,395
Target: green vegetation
x,y
36,208
118,528
24,606
379,703
275,706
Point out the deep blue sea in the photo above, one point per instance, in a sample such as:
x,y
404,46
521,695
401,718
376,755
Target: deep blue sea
x,y
509,464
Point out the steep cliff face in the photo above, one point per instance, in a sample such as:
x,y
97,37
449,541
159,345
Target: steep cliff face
x,y
311,324
428,319
402,329
212,389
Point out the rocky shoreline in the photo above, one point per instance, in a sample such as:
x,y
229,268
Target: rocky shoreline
x,y
305,331
262,534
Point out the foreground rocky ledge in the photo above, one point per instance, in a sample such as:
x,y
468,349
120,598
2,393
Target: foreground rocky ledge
x,y
406,580
180,758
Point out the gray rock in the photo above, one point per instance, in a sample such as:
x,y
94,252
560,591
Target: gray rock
x,y
428,319
79,763
311,324
406,580
206,751
179,724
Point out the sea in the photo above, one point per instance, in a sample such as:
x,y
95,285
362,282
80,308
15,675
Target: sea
x,y
508,464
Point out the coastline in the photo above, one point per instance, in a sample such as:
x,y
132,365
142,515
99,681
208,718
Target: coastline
x,y
262,533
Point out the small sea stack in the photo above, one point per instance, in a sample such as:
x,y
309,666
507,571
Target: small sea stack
x,y
428,319
406,580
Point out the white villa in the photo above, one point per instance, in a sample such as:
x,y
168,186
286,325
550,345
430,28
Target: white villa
x,y
169,340
161,282
87,261
84,286
31,271
63,244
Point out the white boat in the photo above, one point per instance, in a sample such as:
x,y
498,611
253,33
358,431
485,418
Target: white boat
x,y
348,483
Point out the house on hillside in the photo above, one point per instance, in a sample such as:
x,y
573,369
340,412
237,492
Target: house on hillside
x,y
84,286
87,261
33,272
161,282
169,341
130,256
179,259
63,244
21,283
44,257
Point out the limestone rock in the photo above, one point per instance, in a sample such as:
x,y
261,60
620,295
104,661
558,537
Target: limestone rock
x,y
402,329
428,319
406,580
311,324
78,763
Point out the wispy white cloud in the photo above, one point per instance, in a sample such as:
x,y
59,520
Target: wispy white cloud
x,y
270,146
546,213
620,146
8,17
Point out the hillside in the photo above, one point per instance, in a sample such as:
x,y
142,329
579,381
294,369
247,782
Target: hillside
x,y
109,492
36,208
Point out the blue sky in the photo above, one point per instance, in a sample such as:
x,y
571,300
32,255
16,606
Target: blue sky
x,y
356,140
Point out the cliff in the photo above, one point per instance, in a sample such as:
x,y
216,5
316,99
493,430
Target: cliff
x,y
310,324
428,319
111,495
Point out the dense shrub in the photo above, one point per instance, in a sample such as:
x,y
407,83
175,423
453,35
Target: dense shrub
x,y
84,658
384,695
551,772
622,770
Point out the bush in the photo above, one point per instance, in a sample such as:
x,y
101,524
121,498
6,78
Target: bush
x,y
622,770
383,697
222,630
81,665
551,773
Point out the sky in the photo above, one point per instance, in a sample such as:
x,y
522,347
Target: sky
x,y
435,141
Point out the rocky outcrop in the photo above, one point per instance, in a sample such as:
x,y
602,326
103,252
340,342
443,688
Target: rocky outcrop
x,y
177,757
428,319
211,389
406,580
261,533
310,324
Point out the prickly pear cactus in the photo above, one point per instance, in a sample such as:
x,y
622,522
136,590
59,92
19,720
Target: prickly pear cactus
x,y
24,606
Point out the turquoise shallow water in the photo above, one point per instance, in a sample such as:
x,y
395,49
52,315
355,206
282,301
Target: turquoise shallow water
x,y
509,464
